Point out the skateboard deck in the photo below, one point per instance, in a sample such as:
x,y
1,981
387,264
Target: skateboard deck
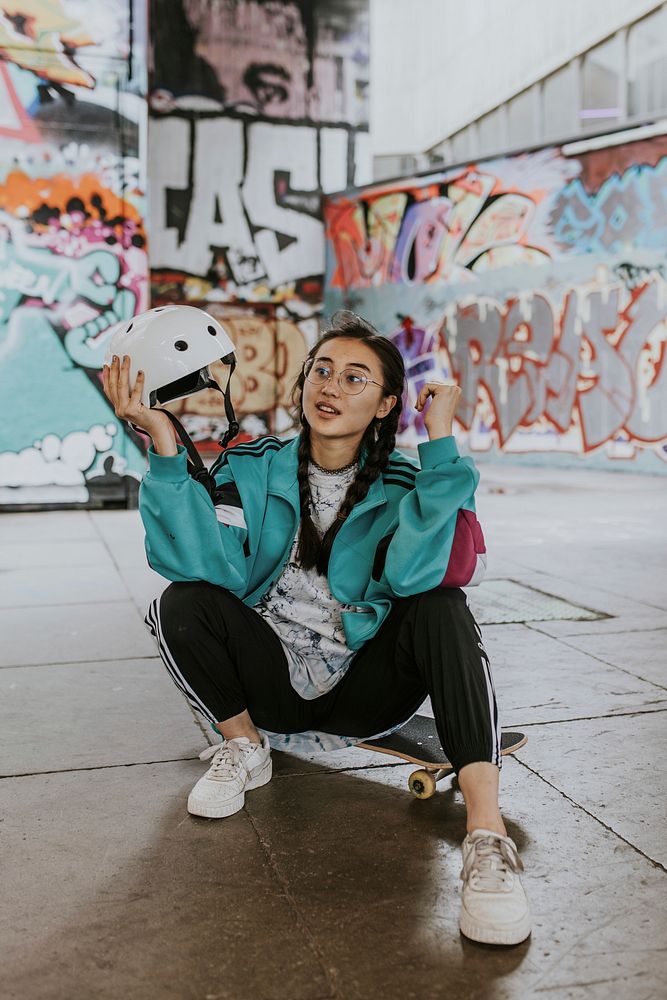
x,y
417,742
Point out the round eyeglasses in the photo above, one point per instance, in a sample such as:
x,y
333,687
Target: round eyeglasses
x,y
350,380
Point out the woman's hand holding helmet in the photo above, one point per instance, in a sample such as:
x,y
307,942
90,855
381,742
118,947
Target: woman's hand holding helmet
x,y
128,406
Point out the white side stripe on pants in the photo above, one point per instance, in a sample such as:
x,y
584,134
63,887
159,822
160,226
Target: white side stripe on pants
x,y
496,756
153,622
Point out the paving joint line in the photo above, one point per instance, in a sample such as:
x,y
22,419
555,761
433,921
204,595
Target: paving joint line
x,y
76,663
118,569
65,604
600,659
599,634
602,590
578,805
96,767
588,718
176,760
330,974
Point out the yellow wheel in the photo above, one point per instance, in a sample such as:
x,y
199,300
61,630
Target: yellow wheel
x,y
422,784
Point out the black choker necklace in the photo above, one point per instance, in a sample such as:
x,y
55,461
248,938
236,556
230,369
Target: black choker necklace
x,y
333,472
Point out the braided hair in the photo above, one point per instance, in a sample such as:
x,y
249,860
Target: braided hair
x,y
376,445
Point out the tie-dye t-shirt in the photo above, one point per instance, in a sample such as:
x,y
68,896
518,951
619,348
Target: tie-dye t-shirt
x,y
301,608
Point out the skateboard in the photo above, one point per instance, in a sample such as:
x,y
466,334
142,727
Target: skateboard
x,y
417,742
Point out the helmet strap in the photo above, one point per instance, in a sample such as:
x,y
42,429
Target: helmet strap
x,y
196,467
232,423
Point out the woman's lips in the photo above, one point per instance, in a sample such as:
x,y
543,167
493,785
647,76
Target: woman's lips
x,y
325,413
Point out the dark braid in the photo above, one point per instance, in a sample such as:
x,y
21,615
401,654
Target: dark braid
x,y
377,443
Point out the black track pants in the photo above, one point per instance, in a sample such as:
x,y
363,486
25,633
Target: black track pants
x,y
225,658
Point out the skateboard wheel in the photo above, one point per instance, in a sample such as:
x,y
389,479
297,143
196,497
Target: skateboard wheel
x,y
422,784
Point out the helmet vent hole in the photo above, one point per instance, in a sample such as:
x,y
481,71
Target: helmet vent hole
x,y
129,328
212,330
181,345
159,309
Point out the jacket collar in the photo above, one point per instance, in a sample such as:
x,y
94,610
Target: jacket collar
x,y
283,480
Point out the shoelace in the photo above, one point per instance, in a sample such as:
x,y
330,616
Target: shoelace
x,y
227,759
489,861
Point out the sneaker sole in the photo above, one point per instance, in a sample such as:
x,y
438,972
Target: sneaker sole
x,y
513,934
215,810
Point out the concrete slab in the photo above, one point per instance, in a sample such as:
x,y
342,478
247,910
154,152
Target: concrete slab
x,y
92,715
500,602
611,767
642,653
597,529
625,612
360,855
36,555
73,633
615,568
334,883
540,679
302,882
56,525
143,901
122,532
143,584
20,588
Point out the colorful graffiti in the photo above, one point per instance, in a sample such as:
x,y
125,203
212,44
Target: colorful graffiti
x,y
262,107
537,282
73,250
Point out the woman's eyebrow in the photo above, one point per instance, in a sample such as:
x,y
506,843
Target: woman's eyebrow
x,y
357,364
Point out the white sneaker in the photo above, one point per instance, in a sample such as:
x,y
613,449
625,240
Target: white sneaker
x,y
494,909
237,766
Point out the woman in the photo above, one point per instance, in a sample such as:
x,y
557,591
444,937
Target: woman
x,y
320,593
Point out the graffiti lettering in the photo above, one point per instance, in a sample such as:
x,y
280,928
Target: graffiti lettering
x,y
251,206
470,224
628,210
591,359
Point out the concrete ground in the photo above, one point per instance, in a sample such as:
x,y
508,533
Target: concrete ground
x,y
334,882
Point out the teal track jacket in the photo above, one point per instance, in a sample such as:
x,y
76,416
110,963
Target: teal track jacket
x,y
414,531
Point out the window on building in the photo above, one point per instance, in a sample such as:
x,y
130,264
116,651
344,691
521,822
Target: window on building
x,y
462,145
385,167
601,83
442,153
559,100
522,119
491,132
647,64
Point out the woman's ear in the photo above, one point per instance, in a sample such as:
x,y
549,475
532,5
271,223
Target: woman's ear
x,y
385,406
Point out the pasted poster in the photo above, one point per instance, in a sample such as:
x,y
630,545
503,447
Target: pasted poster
x,y
538,282
73,249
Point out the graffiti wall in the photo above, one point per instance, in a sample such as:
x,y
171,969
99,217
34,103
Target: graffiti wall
x,y
72,242
538,282
257,107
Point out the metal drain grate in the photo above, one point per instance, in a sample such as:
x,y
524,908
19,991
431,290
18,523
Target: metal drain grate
x,y
503,602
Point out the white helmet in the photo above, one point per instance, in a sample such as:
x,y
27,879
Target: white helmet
x,y
173,346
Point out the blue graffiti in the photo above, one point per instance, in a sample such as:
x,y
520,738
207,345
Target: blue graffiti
x,y
629,211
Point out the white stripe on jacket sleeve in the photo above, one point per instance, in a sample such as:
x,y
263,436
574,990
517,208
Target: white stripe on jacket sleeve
x,y
230,515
